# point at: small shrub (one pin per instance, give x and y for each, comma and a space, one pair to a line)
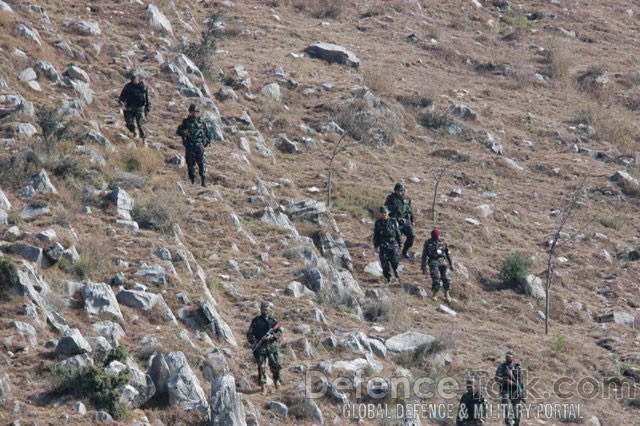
357, 201
68, 167
202, 52
415, 100
515, 268
378, 80
160, 211
433, 119
14, 218
119, 353
559, 342
8, 277
55, 127
591, 82
132, 163
556, 56
39, 204
612, 222
321, 9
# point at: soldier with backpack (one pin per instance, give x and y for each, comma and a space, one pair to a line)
196, 136
135, 100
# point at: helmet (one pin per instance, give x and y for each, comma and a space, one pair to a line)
509, 354
134, 75
384, 209
194, 107
399, 187
469, 382
435, 233
265, 305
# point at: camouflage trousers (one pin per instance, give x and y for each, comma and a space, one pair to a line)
389, 255
439, 276
511, 413
136, 116
195, 155
270, 356
408, 231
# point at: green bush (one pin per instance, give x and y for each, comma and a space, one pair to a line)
433, 119
8, 276
612, 222
515, 268
201, 53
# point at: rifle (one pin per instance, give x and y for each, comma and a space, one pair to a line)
267, 336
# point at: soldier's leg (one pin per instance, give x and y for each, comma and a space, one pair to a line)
384, 262
394, 259
191, 164
274, 364
202, 165
129, 119
260, 358
141, 121
407, 230
504, 407
436, 282
515, 403
444, 276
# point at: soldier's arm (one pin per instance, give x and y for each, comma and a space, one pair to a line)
398, 235
181, 129
412, 218
251, 337
123, 95
147, 104
448, 256
376, 236
423, 262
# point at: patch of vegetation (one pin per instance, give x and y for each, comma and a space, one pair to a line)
159, 211
415, 100
55, 127
514, 268
8, 277
94, 385
201, 53
610, 126
357, 201
39, 204
131, 162
556, 56
591, 81
613, 222
14, 218
68, 167
367, 121
321, 9
433, 119
559, 342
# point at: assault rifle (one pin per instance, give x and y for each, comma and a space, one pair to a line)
267, 336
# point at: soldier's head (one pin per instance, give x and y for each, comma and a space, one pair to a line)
399, 189
470, 384
509, 357
265, 308
135, 78
435, 233
194, 109
384, 212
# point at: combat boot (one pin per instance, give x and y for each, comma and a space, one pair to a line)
193, 180
277, 383
447, 296
405, 254
263, 389
203, 180
434, 296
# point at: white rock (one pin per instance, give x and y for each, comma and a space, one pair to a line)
29, 34
271, 91
373, 268
77, 73
5, 7
158, 20
472, 221
484, 210
27, 74
34, 85
88, 28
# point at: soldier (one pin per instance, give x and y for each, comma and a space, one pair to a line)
508, 376
265, 339
435, 251
135, 99
195, 137
473, 407
386, 239
400, 209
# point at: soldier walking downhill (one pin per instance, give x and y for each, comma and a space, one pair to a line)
195, 137
264, 336
400, 209
472, 408
386, 239
435, 252
135, 99
509, 377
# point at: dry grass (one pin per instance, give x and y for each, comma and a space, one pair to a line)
556, 56
610, 124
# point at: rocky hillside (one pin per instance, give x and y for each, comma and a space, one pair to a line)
126, 292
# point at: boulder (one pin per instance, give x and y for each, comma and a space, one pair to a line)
123, 201
40, 182
279, 219
158, 21
373, 268
357, 342
623, 177
4, 201
226, 404
29, 252
72, 343
182, 386
29, 33
47, 235
297, 289
332, 53
4, 7
279, 407
335, 250
28, 74
45, 68
534, 286
409, 341
99, 300
111, 331
77, 73
152, 273
31, 212
285, 145
307, 210
464, 112
218, 326
271, 91
89, 28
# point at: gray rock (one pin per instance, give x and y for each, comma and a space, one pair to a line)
318, 316
111, 331
164, 254
103, 417
77, 73
271, 91
81, 88
124, 202
285, 145
183, 387
447, 310
4, 201
4, 217
415, 290
624, 318
26, 330
100, 347
297, 289
534, 286
152, 273
279, 407
158, 20
141, 382
5, 8
29, 34
176, 160
623, 177
89, 28
98, 137
40, 182
71, 255
28, 74
463, 111
594, 421
139, 299
357, 342
72, 343
99, 300
27, 130
76, 362
511, 164
335, 250
279, 219
378, 348
409, 341
29, 252
31, 212
307, 210
45, 68
12, 234
226, 405
47, 235
219, 327
373, 268
332, 53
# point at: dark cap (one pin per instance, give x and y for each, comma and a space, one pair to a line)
510, 354
265, 305
399, 187
384, 209
194, 107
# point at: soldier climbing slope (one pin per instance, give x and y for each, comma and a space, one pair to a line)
400, 209
386, 239
434, 252
196, 136
264, 334
135, 100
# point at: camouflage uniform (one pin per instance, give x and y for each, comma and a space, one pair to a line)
269, 351
435, 252
400, 209
195, 137
135, 98
510, 393
472, 408
386, 237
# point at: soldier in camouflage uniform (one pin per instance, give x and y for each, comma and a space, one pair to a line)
269, 350
400, 209
509, 377
386, 239
135, 100
195, 137
472, 408
435, 252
